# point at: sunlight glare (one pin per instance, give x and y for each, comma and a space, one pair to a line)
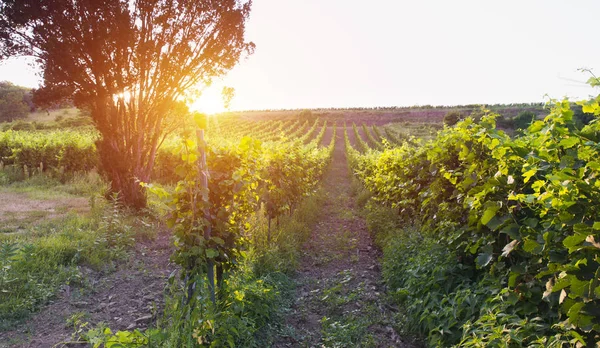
210, 102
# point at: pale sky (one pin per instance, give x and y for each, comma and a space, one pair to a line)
345, 53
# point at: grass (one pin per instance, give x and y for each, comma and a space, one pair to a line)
36, 264
26, 203
55, 119
52, 187
348, 316
43, 116
425, 131
42, 250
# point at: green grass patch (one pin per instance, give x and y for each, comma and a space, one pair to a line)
36, 263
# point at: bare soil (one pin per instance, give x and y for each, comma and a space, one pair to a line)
327, 136
351, 137
339, 279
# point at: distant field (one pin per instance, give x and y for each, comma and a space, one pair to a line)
51, 115
385, 116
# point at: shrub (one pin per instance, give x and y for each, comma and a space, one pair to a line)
452, 118
523, 119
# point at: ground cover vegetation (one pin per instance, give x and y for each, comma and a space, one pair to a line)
259, 203
488, 239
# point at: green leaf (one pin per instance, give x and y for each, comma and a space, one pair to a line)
531, 222
531, 246
512, 231
181, 171
594, 165
211, 253
565, 216
578, 317
568, 143
489, 214
496, 222
582, 229
484, 259
574, 242
587, 108
580, 288
218, 240
528, 174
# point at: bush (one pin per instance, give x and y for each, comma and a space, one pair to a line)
452, 118
523, 119
12, 102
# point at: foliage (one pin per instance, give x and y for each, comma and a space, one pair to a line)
372, 141
81, 122
215, 225
452, 117
66, 151
524, 119
521, 212
307, 114
13, 103
227, 93
253, 297
581, 118
129, 63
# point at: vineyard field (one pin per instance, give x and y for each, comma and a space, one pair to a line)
316, 231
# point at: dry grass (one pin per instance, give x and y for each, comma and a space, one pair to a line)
48, 116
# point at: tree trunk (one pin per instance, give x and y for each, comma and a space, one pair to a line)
124, 175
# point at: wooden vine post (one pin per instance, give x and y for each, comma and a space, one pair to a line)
204, 176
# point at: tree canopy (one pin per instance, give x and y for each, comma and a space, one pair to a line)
14, 101
131, 62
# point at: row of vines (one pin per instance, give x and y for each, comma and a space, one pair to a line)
226, 199
499, 236
69, 151
224, 190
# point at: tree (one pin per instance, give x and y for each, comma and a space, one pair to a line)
452, 118
524, 119
13, 103
130, 62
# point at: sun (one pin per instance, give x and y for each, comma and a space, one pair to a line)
210, 102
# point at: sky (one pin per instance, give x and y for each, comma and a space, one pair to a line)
350, 53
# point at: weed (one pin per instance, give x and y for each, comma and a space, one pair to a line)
35, 264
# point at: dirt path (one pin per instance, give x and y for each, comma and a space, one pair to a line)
351, 137
327, 136
339, 300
